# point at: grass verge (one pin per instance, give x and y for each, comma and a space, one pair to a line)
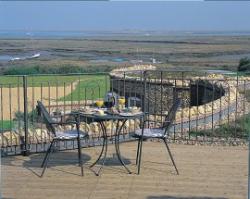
238, 129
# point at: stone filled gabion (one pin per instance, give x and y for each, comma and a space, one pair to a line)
158, 94
158, 98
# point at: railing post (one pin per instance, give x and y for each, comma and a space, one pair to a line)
25, 149
248, 190
124, 84
144, 90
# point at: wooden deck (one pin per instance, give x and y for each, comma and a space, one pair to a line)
206, 172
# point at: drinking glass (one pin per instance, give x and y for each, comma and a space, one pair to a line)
122, 101
99, 103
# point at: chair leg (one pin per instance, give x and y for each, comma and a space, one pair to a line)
47, 158
170, 154
137, 153
140, 153
80, 155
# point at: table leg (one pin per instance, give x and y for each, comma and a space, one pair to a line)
104, 149
117, 146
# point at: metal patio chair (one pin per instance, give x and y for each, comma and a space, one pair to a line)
158, 133
59, 135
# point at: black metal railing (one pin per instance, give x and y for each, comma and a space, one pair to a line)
215, 107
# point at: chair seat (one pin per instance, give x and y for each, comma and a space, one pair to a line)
69, 134
150, 133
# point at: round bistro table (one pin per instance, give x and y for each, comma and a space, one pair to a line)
121, 119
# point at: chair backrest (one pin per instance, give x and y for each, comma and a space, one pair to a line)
42, 111
169, 119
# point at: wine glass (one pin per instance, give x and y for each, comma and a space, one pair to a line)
122, 101
99, 103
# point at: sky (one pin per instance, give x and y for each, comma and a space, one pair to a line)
117, 16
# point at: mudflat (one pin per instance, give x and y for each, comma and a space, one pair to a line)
167, 51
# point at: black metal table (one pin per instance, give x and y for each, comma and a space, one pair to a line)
109, 117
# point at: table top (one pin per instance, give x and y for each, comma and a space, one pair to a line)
108, 116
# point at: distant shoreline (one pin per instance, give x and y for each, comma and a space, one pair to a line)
22, 34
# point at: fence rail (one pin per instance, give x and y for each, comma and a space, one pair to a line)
215, 107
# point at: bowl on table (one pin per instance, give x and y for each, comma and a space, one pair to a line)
130, 111
134, 109
87, 110
100, 112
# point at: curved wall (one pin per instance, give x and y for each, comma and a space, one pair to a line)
160, 93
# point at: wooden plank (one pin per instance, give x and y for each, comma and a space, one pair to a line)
205, 171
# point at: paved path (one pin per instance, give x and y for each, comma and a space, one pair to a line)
209, 118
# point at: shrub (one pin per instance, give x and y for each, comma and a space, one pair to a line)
32, 116
244, 64
63, 69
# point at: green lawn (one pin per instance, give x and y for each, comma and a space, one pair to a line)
52, 80
6, 125
91, 87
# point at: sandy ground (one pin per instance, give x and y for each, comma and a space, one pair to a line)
205, 173
11, 99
